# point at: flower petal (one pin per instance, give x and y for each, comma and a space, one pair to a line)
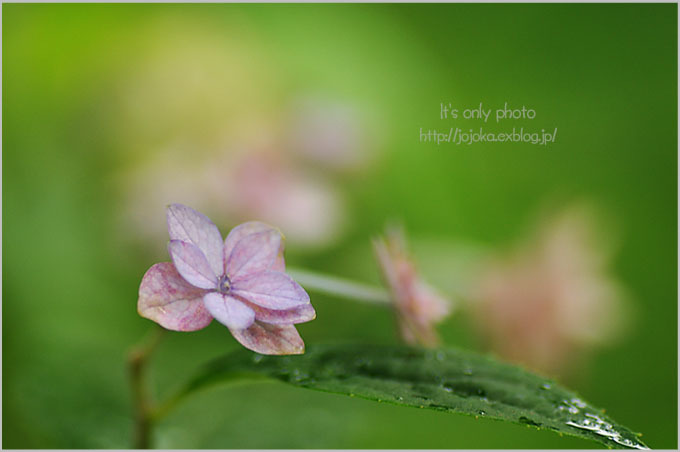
188, 225
270, 339
228, 310
252, 254
167, 299
192, 264
270, 289
299, 314
248, 228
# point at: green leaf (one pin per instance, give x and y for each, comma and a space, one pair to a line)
446, 380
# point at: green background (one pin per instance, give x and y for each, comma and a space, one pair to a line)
604, 75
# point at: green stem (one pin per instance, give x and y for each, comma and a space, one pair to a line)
138, 358
332, 285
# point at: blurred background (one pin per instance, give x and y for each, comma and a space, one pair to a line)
562, 258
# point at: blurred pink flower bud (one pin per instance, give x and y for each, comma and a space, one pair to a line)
418, 306
552, 298
240, 282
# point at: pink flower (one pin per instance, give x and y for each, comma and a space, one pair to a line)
418, 305
546, 304
240, 282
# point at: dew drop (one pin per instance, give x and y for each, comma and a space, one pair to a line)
599, 426
578, 402
568, 406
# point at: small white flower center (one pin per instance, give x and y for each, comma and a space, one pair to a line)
224, 285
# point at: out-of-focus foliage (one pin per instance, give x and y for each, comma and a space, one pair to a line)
112, 111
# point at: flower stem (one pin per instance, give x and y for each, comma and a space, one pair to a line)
340, 287
138, 358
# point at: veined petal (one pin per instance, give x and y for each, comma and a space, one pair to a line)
192, 264
270, 289
229, 311
167, 299
299, 314
270, 339
249, 228
188, 225
252, 254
